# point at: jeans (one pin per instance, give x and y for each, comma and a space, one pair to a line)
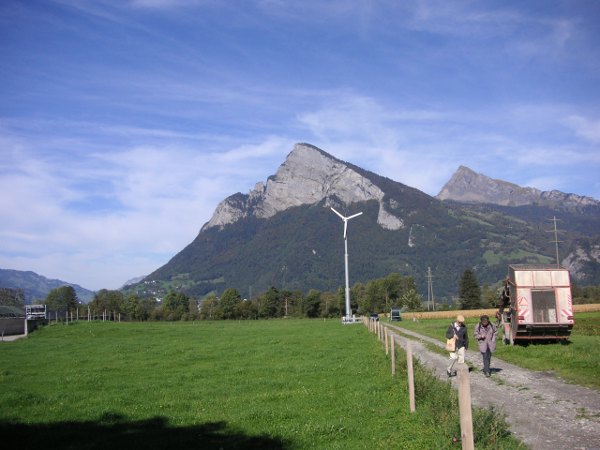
487, 358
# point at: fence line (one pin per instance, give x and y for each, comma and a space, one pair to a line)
464, 382
75, 315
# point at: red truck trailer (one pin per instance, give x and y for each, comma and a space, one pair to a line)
536, 304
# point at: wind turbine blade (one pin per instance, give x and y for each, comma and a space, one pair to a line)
355, 215
345, 227
343, 218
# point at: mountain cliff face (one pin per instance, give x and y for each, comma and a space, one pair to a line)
467, 186
283, 233
307, 176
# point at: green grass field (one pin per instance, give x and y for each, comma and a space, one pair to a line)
577, 362
258, 384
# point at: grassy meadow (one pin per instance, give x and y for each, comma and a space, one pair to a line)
277, 384
576, 362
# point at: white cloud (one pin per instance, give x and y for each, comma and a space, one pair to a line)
120, 213
588, 129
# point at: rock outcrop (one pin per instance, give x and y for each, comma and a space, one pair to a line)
308, 176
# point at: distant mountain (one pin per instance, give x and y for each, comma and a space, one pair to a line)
37, 287
283, 234
468, 186
133, 281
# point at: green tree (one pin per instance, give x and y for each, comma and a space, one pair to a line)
109, 301
246, 310
489, 297
392, 290
145, 309
469, 291
358, 294
137, 308
209, 309
294, 301
312, 303
375, 297
62, 298
193, 310
330, 305
412, 300
175, 305
269, 304
131, 305
230, 299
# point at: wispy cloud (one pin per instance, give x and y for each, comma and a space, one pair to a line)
586, 128
124, 124
422, 148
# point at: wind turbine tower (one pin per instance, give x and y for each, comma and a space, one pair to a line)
348, 318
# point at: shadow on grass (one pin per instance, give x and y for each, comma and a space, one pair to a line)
115, 432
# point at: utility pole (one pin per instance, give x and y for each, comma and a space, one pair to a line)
556, 241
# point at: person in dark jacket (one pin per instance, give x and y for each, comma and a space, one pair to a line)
458, 331
486, 333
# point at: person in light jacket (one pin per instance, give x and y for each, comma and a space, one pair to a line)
485, 333
458, 330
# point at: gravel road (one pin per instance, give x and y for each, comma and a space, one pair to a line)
543, 411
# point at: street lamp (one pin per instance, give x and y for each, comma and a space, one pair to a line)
346, 219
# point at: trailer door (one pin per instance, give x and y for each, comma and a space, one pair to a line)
544, 306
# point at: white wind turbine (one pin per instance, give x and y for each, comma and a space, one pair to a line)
346, 219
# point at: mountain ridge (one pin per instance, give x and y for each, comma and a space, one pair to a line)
37, 287
283, 234
468, 186
315, 176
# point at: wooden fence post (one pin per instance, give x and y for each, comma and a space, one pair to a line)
393, 356
411, 377
387, 352
464, 407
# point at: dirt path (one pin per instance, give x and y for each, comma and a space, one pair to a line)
543, 411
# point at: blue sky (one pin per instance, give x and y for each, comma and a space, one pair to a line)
124, 123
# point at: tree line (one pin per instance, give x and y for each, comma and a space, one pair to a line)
376, 296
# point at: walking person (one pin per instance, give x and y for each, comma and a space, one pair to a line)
485, 333
458, 331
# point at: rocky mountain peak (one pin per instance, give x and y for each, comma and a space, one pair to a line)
307, 176
468, 186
